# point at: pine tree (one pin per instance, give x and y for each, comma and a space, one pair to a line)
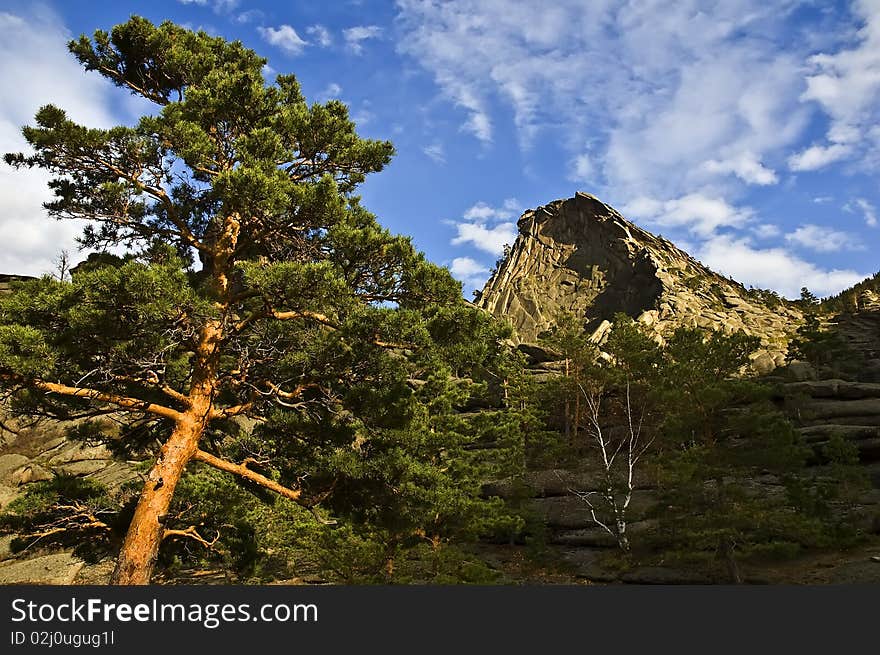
255, 289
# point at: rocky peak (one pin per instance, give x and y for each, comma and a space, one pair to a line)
582, 256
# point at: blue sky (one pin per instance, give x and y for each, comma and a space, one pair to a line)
745, 131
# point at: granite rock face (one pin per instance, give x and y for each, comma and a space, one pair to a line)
579, 255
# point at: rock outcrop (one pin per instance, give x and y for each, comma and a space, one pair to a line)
580, 255
33, 451
5, 280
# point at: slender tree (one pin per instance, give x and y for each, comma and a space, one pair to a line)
254, 285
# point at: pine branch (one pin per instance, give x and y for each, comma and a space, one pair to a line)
123, 402
243, 471
191, 533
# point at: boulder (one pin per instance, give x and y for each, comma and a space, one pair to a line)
31, 472
9, 464
54, 569
537, 354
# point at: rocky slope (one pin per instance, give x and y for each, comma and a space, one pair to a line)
580, 255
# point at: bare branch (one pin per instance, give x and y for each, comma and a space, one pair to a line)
229, 412
191, 533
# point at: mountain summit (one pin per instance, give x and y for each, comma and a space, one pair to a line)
580, 255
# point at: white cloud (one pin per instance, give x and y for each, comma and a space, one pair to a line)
332, 90
475, 227
582, 170
363, 115
820, 200
321, 35
657, 88
469, 271
683, 104
746, 167
284, 37
697, 212
846, 84
481, 211
868, 211
823, 239
249, 16
766, 231
491, 240
478, 123
463, 267
818, 156
436, 152
642, 207
355, 36
772, 268
31, 241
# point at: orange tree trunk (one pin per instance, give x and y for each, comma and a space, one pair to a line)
145, 533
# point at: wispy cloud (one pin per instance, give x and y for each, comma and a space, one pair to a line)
332, 90
482, 211
582, 170
818, 156
321, 35
219, 6
685, 106
766, 231
868, 211
846, 85
746, 167
488, 239
355, 36
663, 87
249, 16
436, 152
823, 239
284, 37
698, 213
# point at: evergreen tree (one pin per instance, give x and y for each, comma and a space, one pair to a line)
302, 317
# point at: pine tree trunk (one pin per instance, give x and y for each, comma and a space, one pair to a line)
137, 559
140, 549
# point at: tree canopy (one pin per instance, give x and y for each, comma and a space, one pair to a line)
258, 319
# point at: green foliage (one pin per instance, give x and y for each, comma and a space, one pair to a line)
353, 361
729, 468
767, 297
823, 348
808, 298
848, 299
695, 382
